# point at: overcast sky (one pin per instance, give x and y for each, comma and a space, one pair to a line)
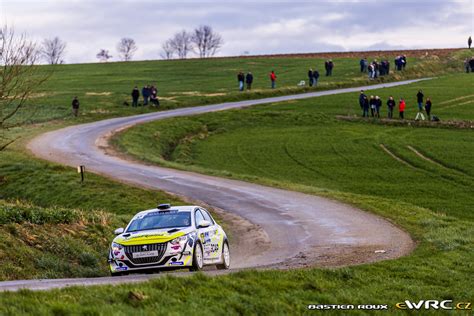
259, 27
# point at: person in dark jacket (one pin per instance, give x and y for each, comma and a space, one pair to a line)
404, 61
372, 104
365, 106
471, 63
154, 97
326, 66
241, 79
315, 77
378, 105
391, 106
310, 77
75, 107
419, 99
135, 96
146, 94
249, 80
362, 98
428, 108
363, 65
469, 42
330, 67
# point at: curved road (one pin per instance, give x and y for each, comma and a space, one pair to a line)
301, 229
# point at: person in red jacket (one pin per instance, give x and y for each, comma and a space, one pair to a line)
273, 78
401, 108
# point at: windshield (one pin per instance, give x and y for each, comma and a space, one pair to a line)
161, 220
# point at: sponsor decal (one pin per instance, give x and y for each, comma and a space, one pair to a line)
121, 268
177, 263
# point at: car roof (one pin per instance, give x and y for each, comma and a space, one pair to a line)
184, 208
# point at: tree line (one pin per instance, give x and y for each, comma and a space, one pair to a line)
203, 41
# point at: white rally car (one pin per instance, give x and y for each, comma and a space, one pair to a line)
169, 237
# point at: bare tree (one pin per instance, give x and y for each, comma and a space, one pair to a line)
19, 76
103, 55
126, 48
206, 41
181, 43
167, 50
53, 50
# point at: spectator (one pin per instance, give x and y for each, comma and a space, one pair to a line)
390, 105
330, 68
371, 71
362, 97
135, 96
363, 65
154, 97
146, 94
428, 108
469, 42
241, 79
315, 77
326, 66
471, 64
372, 104
419, 99
378, 105
249, 80
466, 65
404, 61
365, 107
401, 108
75, 107
310, 77
273, 78
376, 69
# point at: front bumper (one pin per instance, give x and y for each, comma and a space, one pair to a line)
169, 256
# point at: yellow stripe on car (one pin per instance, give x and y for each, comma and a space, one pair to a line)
146, 239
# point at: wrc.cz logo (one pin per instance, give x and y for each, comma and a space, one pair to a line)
434, 304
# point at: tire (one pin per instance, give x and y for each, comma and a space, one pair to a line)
198, 258
225, 257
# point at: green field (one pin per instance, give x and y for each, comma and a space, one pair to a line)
299, 145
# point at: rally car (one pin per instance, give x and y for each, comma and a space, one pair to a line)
169, 237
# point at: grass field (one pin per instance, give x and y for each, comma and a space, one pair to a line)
299, 145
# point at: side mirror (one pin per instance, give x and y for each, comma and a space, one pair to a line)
119, 231
204, 224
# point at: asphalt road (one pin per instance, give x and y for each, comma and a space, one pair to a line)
302, 229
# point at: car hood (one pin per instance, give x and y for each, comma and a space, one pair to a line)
151, 236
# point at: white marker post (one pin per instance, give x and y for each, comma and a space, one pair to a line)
81, 170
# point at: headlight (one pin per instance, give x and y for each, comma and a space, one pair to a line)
116, 247
179, 240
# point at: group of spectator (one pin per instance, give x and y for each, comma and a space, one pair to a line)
469, 64
374, 104
248, 79
401, 62
328, 65
375, 68
149, 94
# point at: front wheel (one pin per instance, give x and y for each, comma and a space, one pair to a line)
225, 257
197, 258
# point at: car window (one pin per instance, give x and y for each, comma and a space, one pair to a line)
207, 217
199, 218
160, 220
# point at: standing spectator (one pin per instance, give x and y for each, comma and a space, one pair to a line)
469, 42
401, 108
428, 108
365, 106
372, 104
471, 64
326, 66
376, 68
249, 80
363, 65
371, 71
466, 65
362, 98
378, 105
310, 77
404, 61
398, 63
330, 67
75, 106
135, 96
154, 97
387, 67
315, 77
419, 99
273, 78
146, 94
390, 105
241, 79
